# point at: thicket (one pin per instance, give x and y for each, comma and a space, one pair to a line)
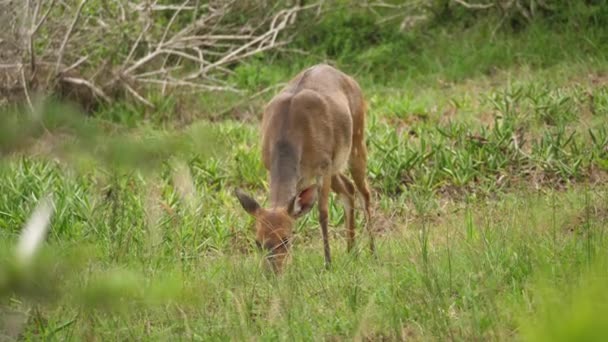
94, 52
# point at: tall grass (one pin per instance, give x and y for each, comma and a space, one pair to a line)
477, 273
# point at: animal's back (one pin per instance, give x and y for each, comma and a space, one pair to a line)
329, 82
315, 112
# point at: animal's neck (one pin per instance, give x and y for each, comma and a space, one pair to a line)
284, 172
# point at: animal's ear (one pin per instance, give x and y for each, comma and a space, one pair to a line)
302, 202
248, 203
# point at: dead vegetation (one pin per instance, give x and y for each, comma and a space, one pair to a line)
92, 52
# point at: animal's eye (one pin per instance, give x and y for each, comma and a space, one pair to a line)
285, 241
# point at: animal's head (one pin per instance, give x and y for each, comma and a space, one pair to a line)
274, 227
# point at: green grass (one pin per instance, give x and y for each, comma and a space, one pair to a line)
490, 204
467, 248
476, 271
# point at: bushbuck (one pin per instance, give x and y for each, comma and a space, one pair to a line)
311, 131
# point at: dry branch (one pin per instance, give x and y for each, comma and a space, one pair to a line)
79, 81
68, 34
44, 17
138, 96
474, 6
25, 89
195, 48
235, 47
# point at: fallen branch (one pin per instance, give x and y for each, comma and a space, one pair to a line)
79, 81
473, 6
11, 66
182, 83
137, 96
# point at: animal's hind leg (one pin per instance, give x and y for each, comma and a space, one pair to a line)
345, 189
358, 168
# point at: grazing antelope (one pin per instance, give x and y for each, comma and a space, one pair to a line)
311, 131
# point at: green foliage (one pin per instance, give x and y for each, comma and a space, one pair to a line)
457, 43
559, 14
531, 133
256, 75
345, 34
574, 14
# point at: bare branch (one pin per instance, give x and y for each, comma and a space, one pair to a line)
68, 34
163, 7
44, 16
157, 72
80, 81
11, 66
136, 44
34, 16
137, 96
30, 36
143, 61
76, 64
524, 12
231, 56
185, 55
473, 6
25, 90
181, 83
162, 40
195, 55
212, 37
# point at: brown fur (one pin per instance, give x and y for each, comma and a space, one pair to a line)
311, 131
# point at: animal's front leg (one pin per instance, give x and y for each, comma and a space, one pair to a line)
323, 217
